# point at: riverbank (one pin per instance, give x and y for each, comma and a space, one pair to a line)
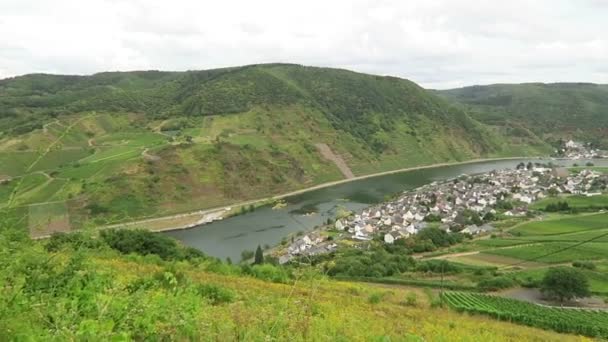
189, 219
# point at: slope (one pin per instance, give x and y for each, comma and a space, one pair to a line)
140, 144
77, 288
553, 111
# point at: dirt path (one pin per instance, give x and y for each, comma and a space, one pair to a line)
328, 154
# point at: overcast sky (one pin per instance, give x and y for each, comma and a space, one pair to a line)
437, 43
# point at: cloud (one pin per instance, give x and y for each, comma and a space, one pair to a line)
437, 43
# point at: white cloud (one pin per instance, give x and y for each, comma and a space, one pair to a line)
437, 43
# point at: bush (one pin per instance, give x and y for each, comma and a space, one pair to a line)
584, 264
559, 206
565, 283
269, 272
438, 266
144, 242
375, 297
496, 283
75, 240
215, 294
410, 299
246, 255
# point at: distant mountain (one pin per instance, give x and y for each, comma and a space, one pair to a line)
551, 111
120, 145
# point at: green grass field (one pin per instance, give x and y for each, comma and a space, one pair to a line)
578, 202
555, 252
565, 225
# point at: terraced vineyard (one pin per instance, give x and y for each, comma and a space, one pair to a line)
577, 321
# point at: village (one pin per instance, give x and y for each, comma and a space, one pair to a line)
467, 204
579, 150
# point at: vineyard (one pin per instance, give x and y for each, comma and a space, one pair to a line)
577, 321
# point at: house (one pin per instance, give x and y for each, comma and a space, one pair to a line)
560, 172
389, 238
472, 229
284, 259
361, 236
339, 225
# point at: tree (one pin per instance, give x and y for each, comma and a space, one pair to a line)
564, 283
259, 256
246, 255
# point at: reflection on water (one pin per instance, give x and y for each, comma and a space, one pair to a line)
228, 238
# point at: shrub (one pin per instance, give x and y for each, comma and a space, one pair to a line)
270, 272
438, 266
584, 264
144, 242
375, 297
496, 283
410, 299
215, 294
565, 283
75, 240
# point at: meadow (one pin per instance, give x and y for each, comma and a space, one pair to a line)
579, 202
571, 224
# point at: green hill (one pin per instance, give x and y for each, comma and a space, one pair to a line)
118, 146
144, 287
550, 111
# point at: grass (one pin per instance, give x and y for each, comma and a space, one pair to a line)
579, 202
557, 250
15, 163
148, 298
565, 225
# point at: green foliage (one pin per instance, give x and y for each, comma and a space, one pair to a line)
259, 256
559, 206
215, 294
438, 266
246, 255
584, 264
56, 298
438, 237
584, 322
411, 299
269, 272
376, 297
496, 283
540, 108
76, 240
375, 263
144, 242
565, 283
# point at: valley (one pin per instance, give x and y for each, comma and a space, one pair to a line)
172, 143
257, 178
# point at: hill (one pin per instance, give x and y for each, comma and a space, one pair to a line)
116, 146
83, 288
549, 111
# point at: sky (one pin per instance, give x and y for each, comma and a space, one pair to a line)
436, 43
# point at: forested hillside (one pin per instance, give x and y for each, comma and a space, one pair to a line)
116, 146
551, 111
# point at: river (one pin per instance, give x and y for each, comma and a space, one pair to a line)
267, 226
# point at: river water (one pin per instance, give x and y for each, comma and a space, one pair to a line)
267, 226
